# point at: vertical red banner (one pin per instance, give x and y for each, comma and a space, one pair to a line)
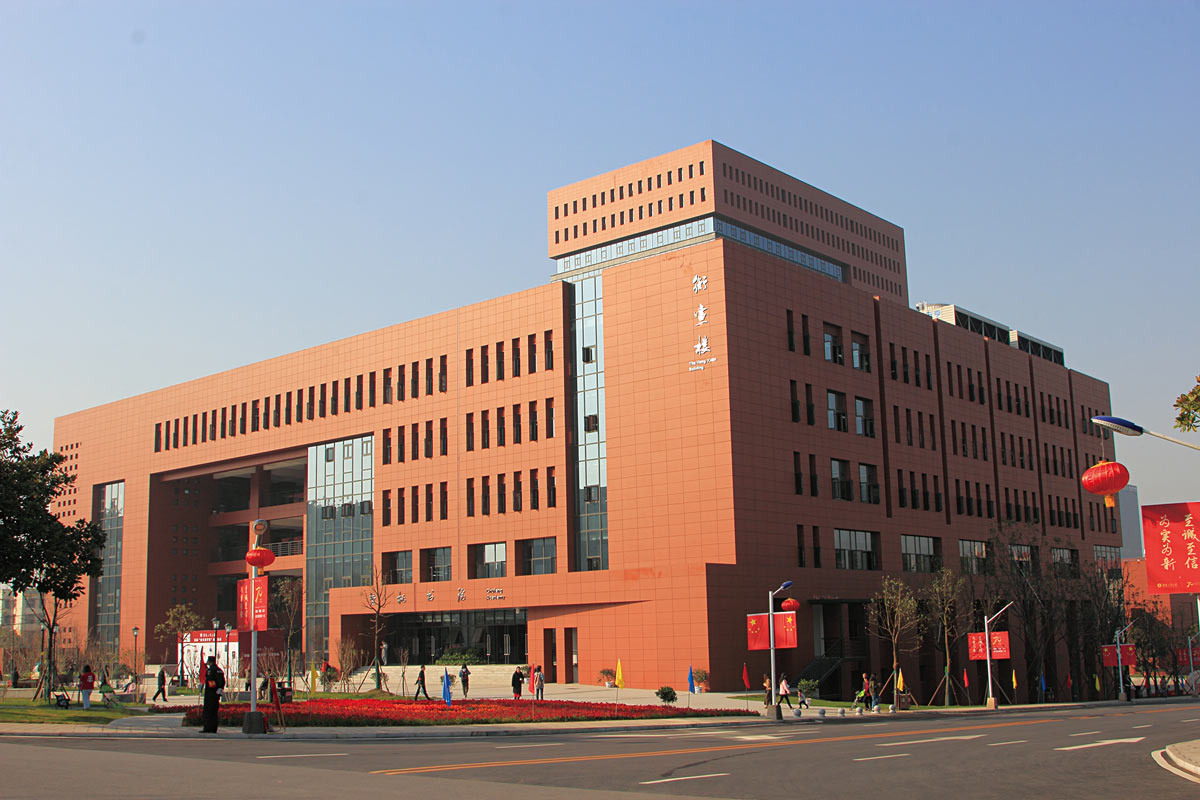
243, 604
1172, 549
252, 604
259, 590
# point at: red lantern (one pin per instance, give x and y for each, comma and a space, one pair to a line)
790, 604
260, 557
1106, 478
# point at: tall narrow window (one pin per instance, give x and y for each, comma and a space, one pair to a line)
444, 501
442, 375
533, 421
401, 382
484, 363
516, 357
415, 380
400, 449
485, 431
548, 347
386, 456
499, 361
470, 432
517, 423
551, 488
532, 353
444, 435
470, 497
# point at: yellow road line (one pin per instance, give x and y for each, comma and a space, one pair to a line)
691, 750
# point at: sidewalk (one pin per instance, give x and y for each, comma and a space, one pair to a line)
1185, 755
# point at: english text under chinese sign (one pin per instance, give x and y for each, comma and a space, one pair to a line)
1172, 549
977, 647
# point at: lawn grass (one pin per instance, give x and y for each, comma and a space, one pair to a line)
28, 711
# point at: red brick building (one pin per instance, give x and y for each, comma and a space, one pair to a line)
722, 388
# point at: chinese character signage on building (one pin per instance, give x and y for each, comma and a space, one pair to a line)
1172, 551
252, 606
977, 649
701, 346
758, 638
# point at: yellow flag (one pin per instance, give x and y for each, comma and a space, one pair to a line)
1014, 679
620, 681
1097, 677
900, 680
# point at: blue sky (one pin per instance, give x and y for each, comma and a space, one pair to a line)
170, 171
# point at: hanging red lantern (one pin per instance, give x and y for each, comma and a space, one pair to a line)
790, 604
1106, 478
260, 557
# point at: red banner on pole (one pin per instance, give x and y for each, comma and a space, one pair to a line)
252, 604
1128, 655
1181, 655
758, 638
977, 648
1172, 549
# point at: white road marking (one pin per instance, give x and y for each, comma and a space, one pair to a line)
927, 741
1157, 755
1102, 743
756, 738
1140, 726
685, 778
876, 758
1085, 733
1001, 744
711, 732
1192, 720
306, 755
516, 746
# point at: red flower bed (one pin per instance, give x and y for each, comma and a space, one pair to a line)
358, 712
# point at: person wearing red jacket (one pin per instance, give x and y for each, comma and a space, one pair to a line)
87, 682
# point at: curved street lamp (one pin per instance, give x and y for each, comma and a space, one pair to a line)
137, 675
771, 634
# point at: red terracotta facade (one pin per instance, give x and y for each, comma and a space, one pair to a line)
720, 440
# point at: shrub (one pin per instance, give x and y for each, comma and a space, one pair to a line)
458, 655
809, 687
608, 674
667, 694
700, 675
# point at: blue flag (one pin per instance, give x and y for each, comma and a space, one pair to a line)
1043, 682
691, 680
446, 686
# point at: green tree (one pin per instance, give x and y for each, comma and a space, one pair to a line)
180, 618
37, 551
1188, 406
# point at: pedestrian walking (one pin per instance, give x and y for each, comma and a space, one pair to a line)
874, 688
383, 653
464, 678
518, 678
539, 683
864, 693
785, 691
801, 697
767, 688
162, 685
87, 682
421, 685
214, 687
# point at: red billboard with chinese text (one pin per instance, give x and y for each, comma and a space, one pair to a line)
252, 606
1172, 549
976, 647
757, 637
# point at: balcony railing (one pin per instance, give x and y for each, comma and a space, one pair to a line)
286, 547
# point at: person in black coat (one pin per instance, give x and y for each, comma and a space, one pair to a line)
214, 685
421, 685
518, 678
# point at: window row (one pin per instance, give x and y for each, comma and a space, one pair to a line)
488, 560
502, 415
1090, 428
918, 498
1061, 512
900, 370
493, 361
1101, 518
317, 402
618, 218
417, 444
518, 493
620, 192
1013, 455
920, 439
968, 390
776, 192
978, 441
408, 505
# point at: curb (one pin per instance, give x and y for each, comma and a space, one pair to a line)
1171, 752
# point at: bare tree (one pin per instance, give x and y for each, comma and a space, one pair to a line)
897, 619
180, 618
945, 612
376, 599
286, 605
350, 658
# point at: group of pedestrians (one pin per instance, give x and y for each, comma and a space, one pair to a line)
785, 692
868, 695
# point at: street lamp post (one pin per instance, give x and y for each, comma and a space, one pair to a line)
228, 665
987, 645
1129, 428
216, 635
137, 675
1120, 669
771, 634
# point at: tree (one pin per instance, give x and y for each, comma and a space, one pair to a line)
1188, 406
944, 610
180, 618
375, 599
36, 549
897, 619
287, 607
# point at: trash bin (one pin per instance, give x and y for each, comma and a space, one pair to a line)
285, 694
905, 701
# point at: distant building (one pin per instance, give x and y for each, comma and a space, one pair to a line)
721, 388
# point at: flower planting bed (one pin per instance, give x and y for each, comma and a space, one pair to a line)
360, 712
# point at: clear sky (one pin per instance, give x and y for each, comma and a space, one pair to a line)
187, 187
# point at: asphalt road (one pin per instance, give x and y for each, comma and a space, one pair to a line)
1100, 753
